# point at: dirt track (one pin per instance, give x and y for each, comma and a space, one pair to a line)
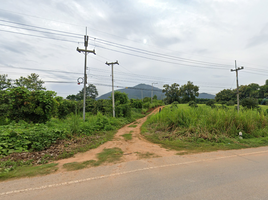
130, 147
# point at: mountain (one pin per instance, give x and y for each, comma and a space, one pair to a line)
137, 92
206, 96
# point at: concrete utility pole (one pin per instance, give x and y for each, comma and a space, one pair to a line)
237, 86
85, 71
152, 92
113, 63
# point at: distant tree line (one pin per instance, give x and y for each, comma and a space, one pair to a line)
180, 94
251, 91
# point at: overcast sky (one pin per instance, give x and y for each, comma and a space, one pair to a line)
154, 41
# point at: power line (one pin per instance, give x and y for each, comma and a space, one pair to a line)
38, 36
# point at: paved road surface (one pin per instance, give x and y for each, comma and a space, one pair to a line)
237, 174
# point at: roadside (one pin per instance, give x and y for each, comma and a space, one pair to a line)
61, 185
133, 149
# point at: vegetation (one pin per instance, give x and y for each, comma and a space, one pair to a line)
24, 170
204, 128
91, 92
183, 94
127, 136
251, 91
36, 126
106, 156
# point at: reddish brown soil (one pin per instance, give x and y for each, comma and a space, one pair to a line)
132, 148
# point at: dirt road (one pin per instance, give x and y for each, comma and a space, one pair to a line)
132, 148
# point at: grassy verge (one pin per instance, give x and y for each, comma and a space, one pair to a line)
146, 155
191, 130
132, 126
28, 171
127, 136
106, 156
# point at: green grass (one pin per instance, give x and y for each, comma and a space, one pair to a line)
78, 165
29, 171
109, 155
132, 126
146, 155
191, 130
127, 136
106, 156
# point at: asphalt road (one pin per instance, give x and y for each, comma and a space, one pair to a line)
236, 174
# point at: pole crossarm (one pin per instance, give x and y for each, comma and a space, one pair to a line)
84, 50
112, 63
85, 71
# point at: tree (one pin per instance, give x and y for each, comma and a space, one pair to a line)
189, 92
225, 95
172, 93
250, 103
263, 93
4, 82
251, 90
31, 82
91, 92
71, 97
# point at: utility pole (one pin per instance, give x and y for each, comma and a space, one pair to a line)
113, 63
85, 71
152, 92
237, 86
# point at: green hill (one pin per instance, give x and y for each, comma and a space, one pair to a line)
137, 91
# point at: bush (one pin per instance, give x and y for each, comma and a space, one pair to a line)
30, 106
210, 102
230, 103
250, 103
193, 104
65, 107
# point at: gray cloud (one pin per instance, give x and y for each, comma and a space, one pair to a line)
11, 17
259, 39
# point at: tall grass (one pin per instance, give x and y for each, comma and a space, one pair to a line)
207, 123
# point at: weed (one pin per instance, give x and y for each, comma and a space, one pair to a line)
76, 166
127, 136
146, 155
132, 126
109, 155
206, 129
28, 171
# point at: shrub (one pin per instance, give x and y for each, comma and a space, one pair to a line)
193, 104
31, 106
250, 103
210, 102
230, 103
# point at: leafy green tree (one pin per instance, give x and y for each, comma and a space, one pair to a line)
122, 104
250, 103
71, 97
91, 92
251, 90
189, 92
31, 106
172, 93
31, 82
120, 97
263, 92
225, 95
4, 82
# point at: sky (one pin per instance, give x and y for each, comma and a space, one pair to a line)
154, 41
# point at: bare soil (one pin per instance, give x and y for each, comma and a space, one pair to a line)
132, 148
